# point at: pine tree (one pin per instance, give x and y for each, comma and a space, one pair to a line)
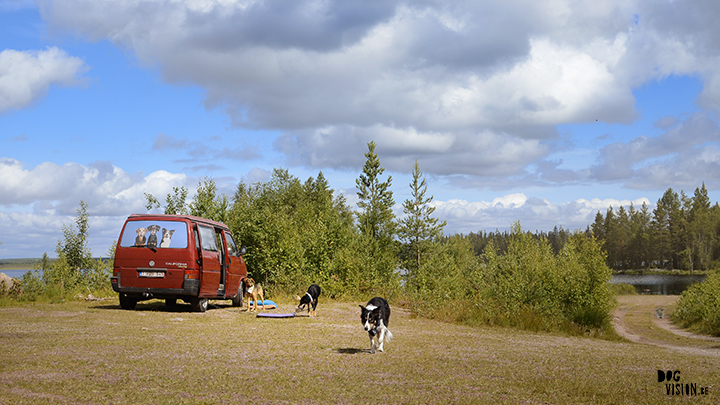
376, 245
662, 223
418, 228
701, 229
376, 218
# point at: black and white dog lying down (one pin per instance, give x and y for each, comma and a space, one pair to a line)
375, 317
310, 299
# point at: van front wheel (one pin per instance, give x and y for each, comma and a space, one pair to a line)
199, 304
126, 302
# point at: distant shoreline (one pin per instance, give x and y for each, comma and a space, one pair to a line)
20, 264
27, 263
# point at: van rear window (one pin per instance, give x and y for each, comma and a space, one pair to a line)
155, 234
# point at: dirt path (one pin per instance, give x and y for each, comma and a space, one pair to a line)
645, 319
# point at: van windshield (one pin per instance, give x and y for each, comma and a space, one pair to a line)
155, 234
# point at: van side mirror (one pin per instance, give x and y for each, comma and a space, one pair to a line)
243, 250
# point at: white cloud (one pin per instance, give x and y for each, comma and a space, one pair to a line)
26, 76
653, 162
473, 90
37, 201
107, 189
532, 213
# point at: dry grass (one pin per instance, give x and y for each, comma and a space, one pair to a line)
80, 352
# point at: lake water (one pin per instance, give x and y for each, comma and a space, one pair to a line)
15, 273
658, 284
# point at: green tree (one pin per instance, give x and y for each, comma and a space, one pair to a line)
375, 217
377, 225
611, 243
151, 202
701, 230
295, 232
666, 228
640, 248
175, 202
73, 247
74, 257
419, 229
207, 204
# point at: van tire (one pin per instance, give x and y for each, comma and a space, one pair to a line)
126, 302
237, 300
199, 304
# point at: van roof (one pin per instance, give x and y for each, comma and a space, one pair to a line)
191, 218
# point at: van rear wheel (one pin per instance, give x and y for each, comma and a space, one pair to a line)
126, 302
199, 304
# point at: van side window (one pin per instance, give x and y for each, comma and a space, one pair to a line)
232, 247
207, 239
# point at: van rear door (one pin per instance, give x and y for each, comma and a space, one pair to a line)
152, 255
211, 262
236, 269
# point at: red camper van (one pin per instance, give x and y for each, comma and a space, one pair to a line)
175, 257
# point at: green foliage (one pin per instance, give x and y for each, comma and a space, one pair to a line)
73, 272
206, 203
528, 286
294, 232
375, 217
418, 229
451, 272
680, 233
699, 306
174, 202
377, 248
72, 248
623, 289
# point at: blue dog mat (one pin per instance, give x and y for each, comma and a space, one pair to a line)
268, 304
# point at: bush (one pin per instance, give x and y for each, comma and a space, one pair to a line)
623, 289
528, 287
699, 306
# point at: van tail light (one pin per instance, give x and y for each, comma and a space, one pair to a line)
192, 274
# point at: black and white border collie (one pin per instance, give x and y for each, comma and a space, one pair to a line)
310, 299
375, 317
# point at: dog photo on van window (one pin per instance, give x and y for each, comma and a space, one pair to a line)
153, 234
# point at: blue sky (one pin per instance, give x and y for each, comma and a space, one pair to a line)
543, 116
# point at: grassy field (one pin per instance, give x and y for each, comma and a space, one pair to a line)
96, 353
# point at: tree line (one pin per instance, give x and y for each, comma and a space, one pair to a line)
299, 232
681, 232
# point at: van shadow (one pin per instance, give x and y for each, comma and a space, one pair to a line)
162, 307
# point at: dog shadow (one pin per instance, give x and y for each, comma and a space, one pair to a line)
351, 350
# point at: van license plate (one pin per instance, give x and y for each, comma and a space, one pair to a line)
154, 274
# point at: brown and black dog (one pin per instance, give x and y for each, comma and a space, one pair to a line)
253, 291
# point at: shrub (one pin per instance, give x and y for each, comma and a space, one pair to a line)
699, 306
